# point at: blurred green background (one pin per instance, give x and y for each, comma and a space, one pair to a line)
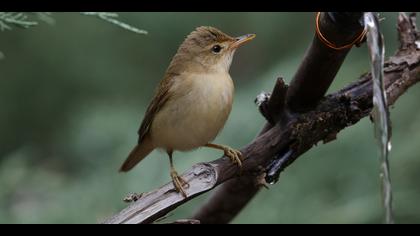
73, 94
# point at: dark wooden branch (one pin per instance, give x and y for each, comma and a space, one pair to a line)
272, 105
321, 63
300, 133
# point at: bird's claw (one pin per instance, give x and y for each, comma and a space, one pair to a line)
234, 155
179, 183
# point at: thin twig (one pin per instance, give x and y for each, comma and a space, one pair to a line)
111, 18
19, 19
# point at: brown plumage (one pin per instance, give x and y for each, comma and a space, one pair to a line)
192, 102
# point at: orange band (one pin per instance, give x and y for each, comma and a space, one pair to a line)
321, 37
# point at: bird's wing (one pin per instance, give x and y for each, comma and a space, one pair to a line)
162, 95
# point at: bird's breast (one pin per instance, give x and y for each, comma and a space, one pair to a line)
197, 110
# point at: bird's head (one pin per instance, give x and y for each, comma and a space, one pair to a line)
208, 48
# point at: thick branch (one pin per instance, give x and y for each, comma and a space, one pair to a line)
300, 133
321, 63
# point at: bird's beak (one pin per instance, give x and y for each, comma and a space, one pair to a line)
242, 40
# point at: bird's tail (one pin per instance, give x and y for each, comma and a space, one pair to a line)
137, 154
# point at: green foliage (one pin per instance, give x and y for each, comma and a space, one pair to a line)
22, 20
18, 19
111, 18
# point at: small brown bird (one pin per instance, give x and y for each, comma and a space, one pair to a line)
192, 102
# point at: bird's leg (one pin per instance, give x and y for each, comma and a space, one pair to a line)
178, 182
234, 155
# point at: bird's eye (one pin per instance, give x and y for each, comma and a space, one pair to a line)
216, 48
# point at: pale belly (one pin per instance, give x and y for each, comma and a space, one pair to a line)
195, 116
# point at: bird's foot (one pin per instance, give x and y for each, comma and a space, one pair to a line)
234, 155
179, 183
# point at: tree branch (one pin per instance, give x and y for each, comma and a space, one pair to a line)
111, 18
299, 132
19, 19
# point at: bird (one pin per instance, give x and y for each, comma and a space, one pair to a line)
192, 102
